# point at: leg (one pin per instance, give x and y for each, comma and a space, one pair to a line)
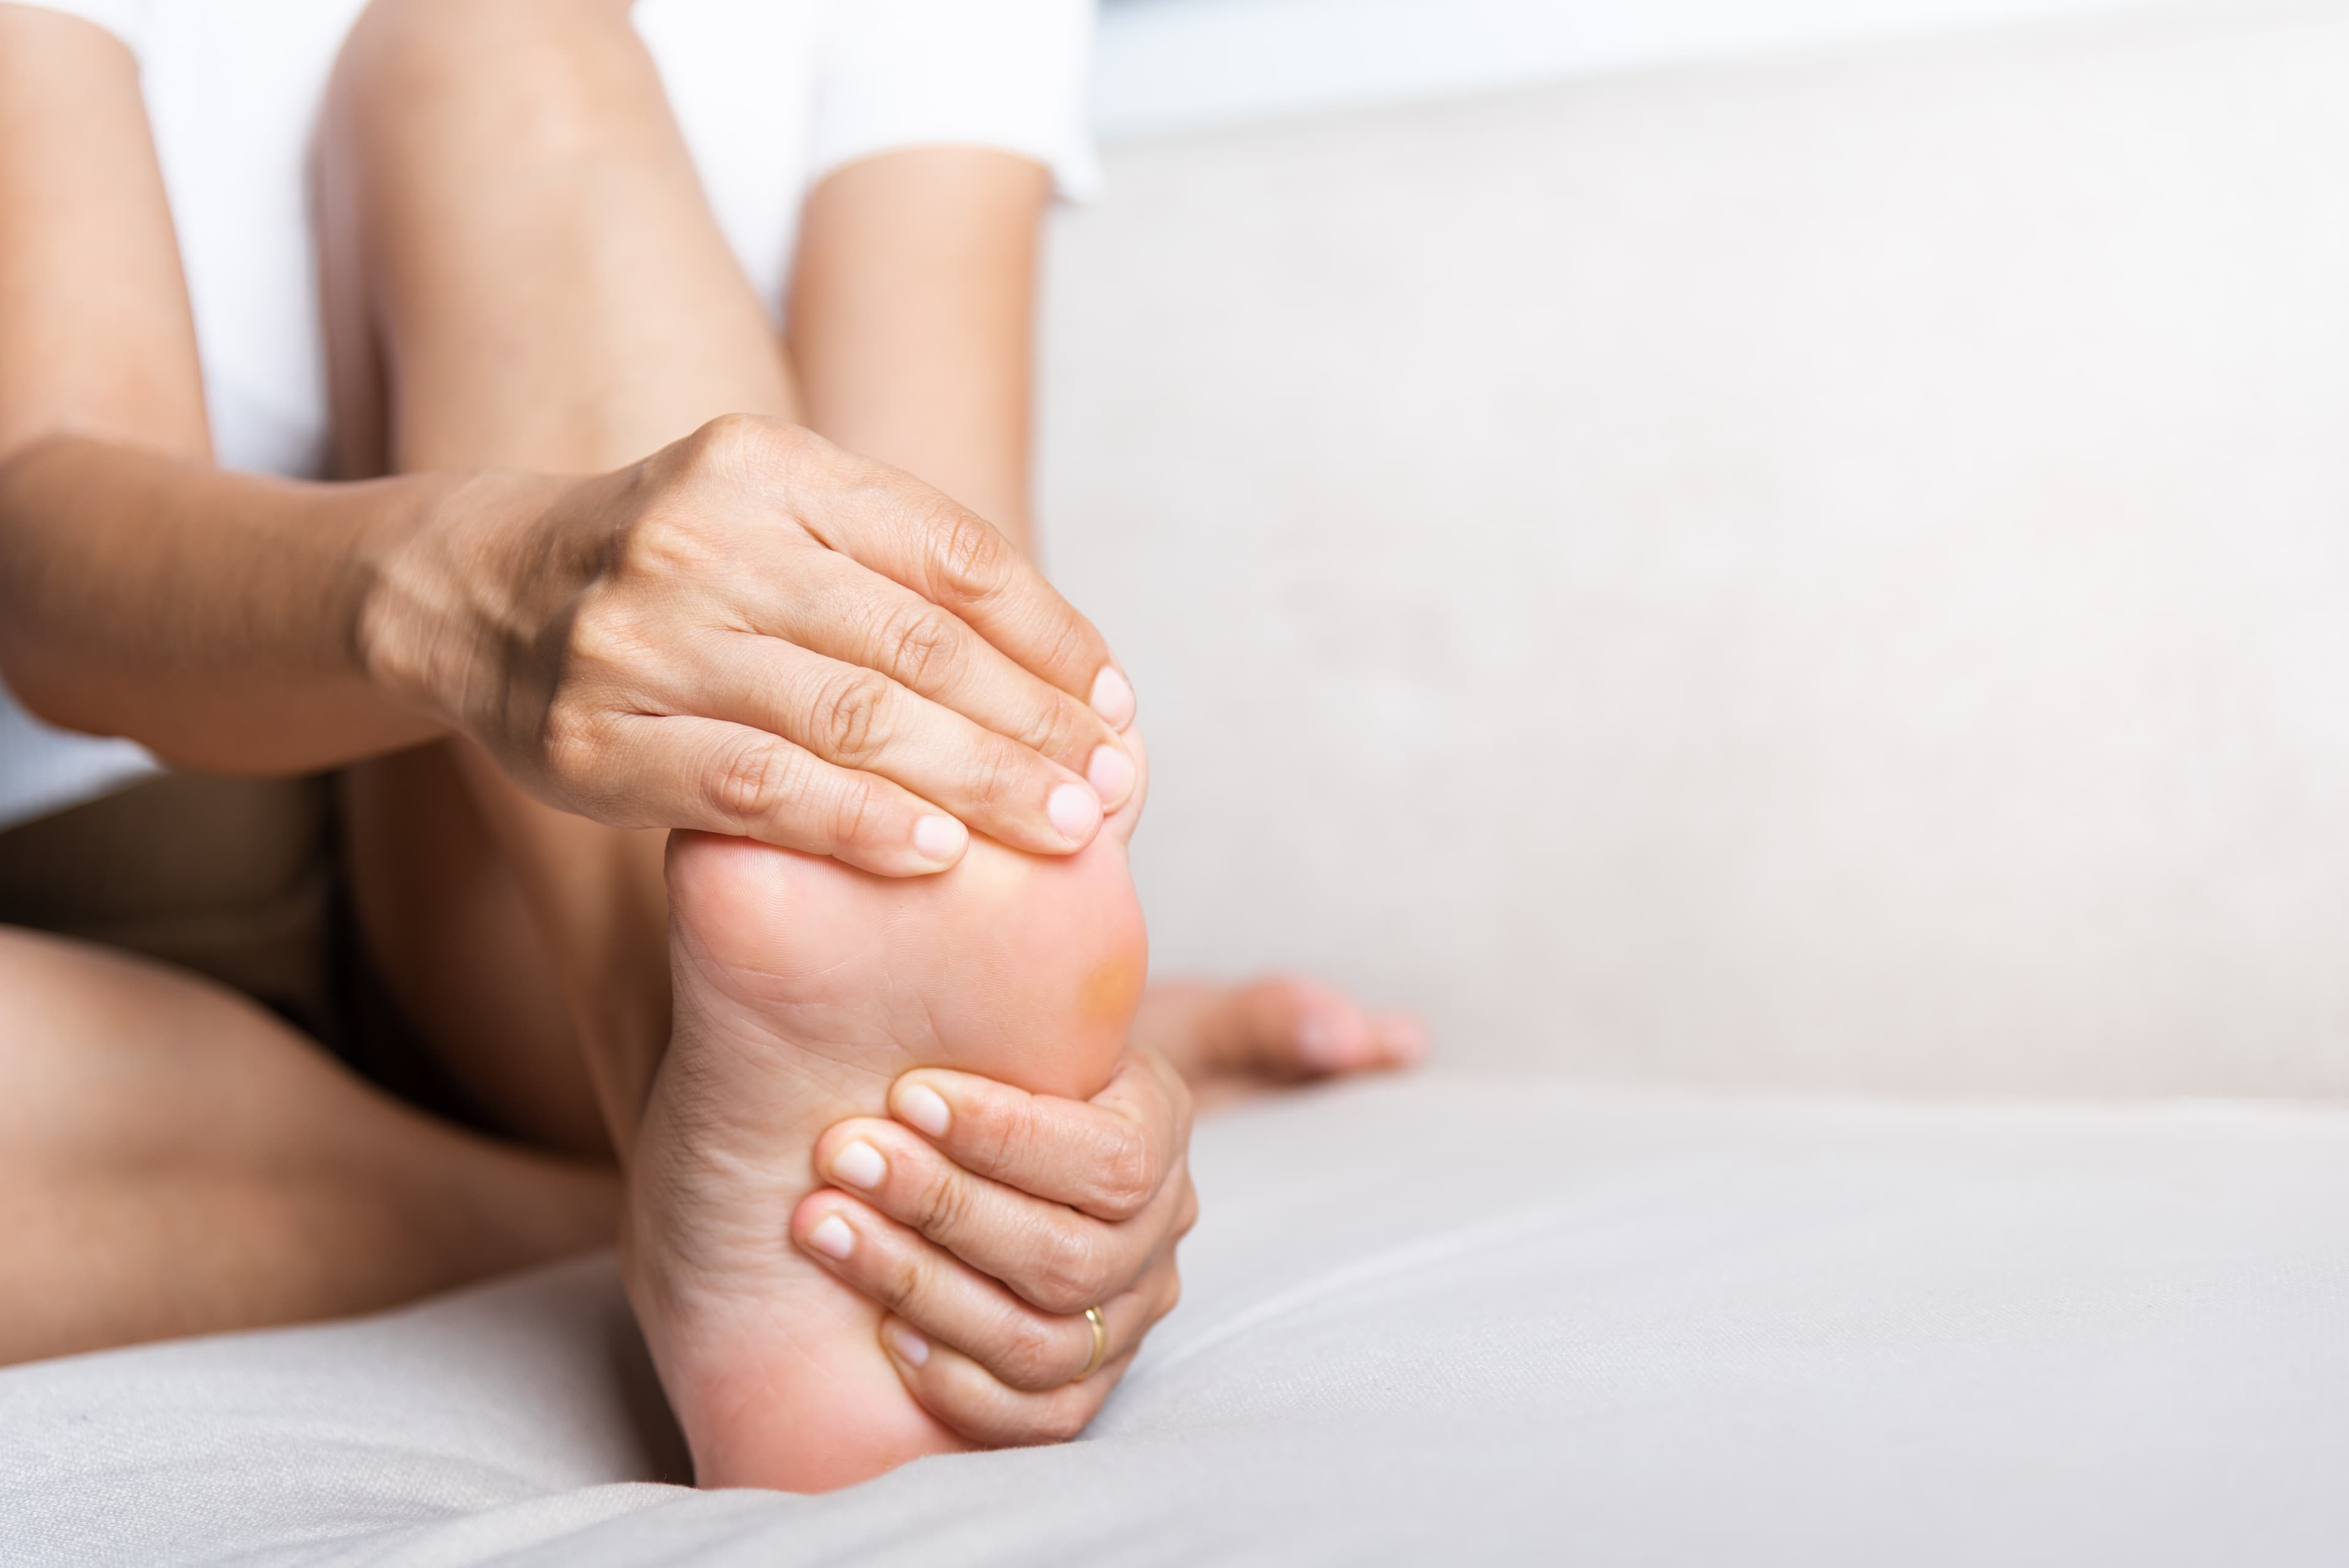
549, 290
173, 1160
446, 924
527, 276
804, 989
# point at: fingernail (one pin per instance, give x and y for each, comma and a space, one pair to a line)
1110, 773
1074, 810
833, 1238
924, 1109
1112, 698
859, 1165
939, 839
909, 1347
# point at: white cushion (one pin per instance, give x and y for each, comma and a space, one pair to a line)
1443, 1321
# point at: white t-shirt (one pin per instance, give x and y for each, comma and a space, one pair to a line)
771, 96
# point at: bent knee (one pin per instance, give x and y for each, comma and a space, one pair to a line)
544, 70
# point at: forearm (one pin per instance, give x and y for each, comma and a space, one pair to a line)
219, 618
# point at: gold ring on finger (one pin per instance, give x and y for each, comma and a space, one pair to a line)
1100, 1343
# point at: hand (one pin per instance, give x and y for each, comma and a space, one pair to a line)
755, 633
987, 1219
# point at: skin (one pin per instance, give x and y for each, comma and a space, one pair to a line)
462, 385
257, 625
175, 1160
579, 630
802, 989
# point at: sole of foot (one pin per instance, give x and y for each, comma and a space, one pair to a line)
803, 988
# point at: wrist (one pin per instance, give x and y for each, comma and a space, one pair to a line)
440, 598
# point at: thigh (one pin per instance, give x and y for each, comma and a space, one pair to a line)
527, 276
174, 1160
534, 260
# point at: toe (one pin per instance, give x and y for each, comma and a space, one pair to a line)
1273, 1029
1304, 1028
1399, 1038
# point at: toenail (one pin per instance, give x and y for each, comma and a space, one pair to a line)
1110, 773
1112, 698
833, 1238
1318, 1042
1074, 810
859, 1165
924, 1109
910, 1347
939, 839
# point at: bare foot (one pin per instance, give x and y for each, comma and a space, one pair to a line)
1229, 1040
802, 989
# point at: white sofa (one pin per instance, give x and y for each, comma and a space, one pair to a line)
1824, 572
1813, 585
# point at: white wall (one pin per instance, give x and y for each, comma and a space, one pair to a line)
1826, 571
1169, 65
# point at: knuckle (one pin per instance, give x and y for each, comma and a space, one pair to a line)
916, 642
995, 773
747, 781
940, 1205
600, 635
848, 717
1070, 1272
1130, 1177
743, 450
898, 1284
966, 556
1004, 1135
1067, 643
1033, 1358
858, 810
570, 738
1058, 727
729, 444
662, 541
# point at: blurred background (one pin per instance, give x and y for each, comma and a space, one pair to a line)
1176, 65
1797, 542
